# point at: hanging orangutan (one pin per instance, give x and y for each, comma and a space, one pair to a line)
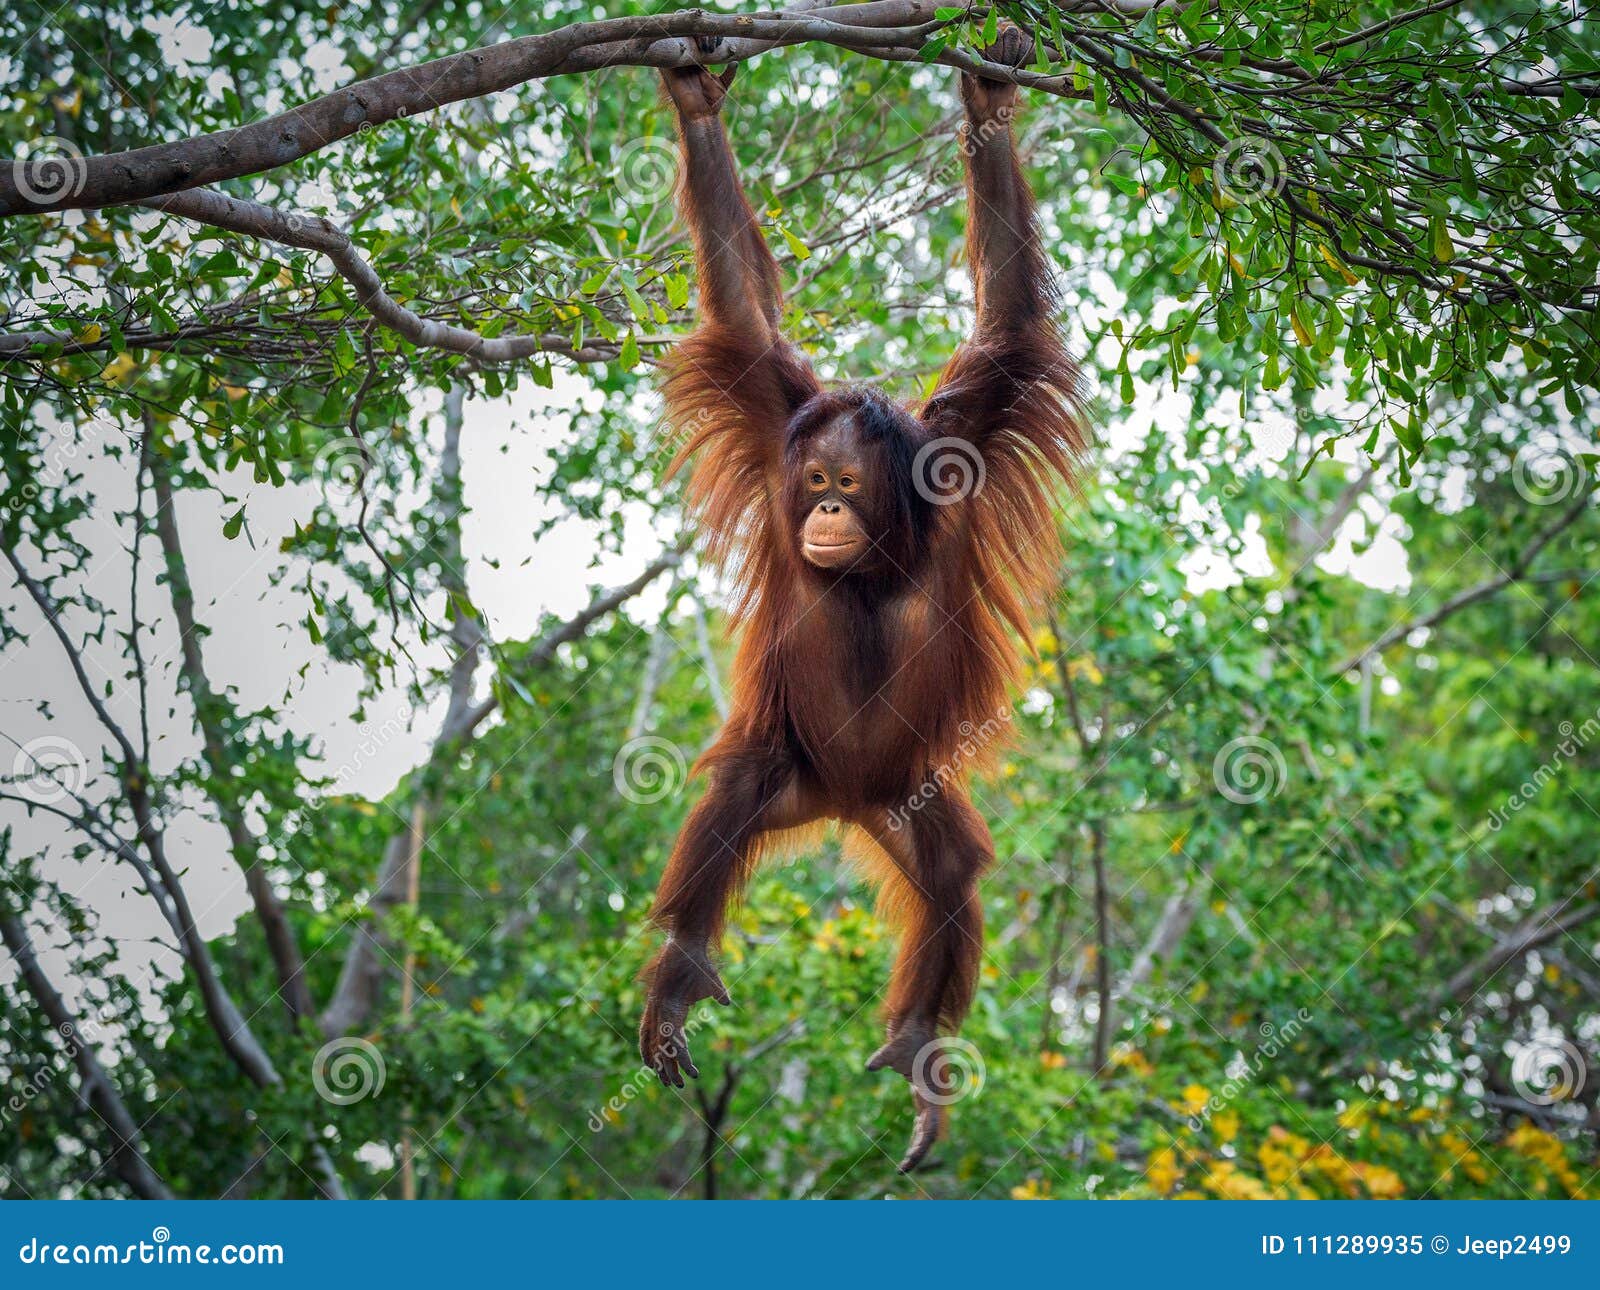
883, 557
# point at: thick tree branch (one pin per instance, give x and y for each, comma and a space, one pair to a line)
651, 40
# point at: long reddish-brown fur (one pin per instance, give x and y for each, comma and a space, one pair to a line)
864, 693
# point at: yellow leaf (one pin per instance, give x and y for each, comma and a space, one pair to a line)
1337, 265
119, 368
1444, 250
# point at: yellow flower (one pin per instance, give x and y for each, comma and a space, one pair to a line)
1162, 1170
1225, 1180
1225, 1124
1462, 1153
1546, 1148
1128, 1056
1382, 1182
1052, 1061
1282, 1155
1195, 1097
1353, 1117
1033, 1189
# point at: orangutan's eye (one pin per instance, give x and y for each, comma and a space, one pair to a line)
818, 479
847, 482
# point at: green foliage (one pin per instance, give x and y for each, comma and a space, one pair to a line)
1357, 331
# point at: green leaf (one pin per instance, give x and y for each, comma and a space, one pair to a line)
797, 248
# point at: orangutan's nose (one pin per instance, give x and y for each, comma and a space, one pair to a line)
829, 508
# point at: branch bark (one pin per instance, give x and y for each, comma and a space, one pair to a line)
893, 30
650, 40
316, 233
